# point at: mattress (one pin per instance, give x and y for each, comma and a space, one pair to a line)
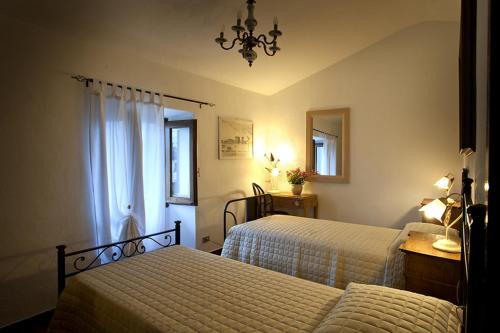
323, 251
183, 290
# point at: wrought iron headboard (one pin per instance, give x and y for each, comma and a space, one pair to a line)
473, 256
254, 208
123, 249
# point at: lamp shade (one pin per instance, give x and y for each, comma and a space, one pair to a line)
434, 209
445, 182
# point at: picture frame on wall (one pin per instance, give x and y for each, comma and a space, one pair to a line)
235, 139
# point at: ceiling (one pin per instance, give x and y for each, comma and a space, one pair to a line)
181, 33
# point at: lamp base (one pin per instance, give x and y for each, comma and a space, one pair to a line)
446, 245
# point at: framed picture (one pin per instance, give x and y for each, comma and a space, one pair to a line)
235, 139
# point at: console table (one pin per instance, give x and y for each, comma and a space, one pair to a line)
291, 203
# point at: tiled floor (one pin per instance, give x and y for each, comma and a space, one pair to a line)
36, 324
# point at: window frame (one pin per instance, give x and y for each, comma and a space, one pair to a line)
193, 161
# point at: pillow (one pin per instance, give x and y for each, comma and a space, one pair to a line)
372, 309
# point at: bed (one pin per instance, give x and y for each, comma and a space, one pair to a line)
323, 251
176, 289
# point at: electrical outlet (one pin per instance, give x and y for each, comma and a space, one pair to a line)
205, 239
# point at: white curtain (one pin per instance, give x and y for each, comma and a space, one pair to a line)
127, 163
328, 163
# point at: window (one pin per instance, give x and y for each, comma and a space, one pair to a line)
180, 162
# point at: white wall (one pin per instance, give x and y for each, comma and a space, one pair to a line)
403, 95
44, 194
400, 90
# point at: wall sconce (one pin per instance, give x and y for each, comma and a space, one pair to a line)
436, 209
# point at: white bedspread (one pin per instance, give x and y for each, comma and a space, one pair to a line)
183, 290
328, 252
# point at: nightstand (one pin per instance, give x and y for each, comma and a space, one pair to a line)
291, 202
429, 271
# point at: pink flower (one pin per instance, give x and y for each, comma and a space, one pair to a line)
297, 177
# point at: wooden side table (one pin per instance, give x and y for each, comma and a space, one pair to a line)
430, 271
290, 202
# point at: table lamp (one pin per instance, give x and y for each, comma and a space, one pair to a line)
445, 183
435, 209
274, 171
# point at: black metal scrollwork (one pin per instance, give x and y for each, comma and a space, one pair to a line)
120, 250
125, 249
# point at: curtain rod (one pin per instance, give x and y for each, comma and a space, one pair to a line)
81, 78
317, 130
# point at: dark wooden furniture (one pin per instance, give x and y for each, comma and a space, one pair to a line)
429, 271
291, 203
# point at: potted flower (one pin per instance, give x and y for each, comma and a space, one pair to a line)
297, 178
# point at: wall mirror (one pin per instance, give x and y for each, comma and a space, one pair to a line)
327, 145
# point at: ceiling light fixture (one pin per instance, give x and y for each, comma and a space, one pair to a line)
246, 38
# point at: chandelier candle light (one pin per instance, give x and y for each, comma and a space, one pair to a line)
246, 38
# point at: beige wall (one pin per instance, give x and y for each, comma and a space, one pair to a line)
403, 95
399, 90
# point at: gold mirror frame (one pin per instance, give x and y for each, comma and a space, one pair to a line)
344, 114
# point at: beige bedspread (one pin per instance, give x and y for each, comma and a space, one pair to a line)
183, 290
328, 252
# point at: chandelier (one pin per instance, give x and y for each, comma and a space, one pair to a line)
247, 40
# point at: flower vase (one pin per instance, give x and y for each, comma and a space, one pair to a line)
296, 189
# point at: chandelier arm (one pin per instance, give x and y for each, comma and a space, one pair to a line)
232, 44
265, 39
265, 48
245, 36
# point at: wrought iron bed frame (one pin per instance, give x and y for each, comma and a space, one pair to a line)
134, 246
257, 206
473, 259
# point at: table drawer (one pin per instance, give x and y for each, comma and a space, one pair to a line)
288, 203
432, 276
433, 269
